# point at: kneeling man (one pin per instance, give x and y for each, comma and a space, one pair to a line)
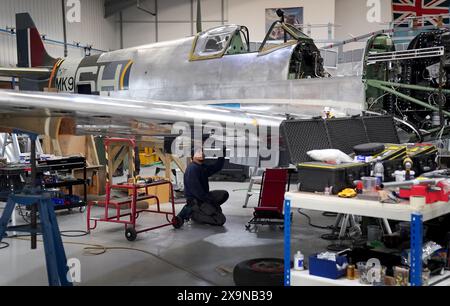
203, 205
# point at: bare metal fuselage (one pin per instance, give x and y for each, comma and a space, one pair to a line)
164, 71
122, 88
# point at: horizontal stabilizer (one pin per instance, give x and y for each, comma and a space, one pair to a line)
25, 72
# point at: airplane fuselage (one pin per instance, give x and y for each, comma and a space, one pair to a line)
164, 71
217, 64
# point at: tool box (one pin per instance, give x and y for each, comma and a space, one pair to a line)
316, 176
327, 268
392, 152
431, 194
422, 155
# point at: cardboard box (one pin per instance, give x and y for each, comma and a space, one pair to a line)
161, 191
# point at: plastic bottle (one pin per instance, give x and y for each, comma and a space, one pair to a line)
378, 171
298, 261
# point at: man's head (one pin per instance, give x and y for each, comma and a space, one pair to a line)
199, 157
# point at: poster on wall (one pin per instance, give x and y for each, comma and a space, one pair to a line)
292, 15
420, 12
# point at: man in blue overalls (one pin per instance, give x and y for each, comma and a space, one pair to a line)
203, 205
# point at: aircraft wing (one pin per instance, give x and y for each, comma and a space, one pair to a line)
115, 117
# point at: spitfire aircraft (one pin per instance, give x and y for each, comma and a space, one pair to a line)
215, 65
143, 91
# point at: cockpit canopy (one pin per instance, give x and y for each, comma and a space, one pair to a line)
218, 41
235, 39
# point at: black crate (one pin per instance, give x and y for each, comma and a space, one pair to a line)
381, 129
346, 133
301, 136
315, 176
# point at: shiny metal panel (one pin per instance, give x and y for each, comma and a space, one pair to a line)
163, 71
157, 115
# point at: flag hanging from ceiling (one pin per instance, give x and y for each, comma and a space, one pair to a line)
427, 11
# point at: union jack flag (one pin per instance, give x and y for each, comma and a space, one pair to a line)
427, 12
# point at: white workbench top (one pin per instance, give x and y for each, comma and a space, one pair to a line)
366, 208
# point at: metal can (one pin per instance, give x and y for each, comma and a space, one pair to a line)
351, 272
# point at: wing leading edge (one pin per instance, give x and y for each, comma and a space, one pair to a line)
104, 115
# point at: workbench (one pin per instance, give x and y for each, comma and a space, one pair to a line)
303, 278
13, 173
67, 164
360, 207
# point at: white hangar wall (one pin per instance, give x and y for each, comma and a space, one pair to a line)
47, 15
177, 18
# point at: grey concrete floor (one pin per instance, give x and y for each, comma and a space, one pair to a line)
197, 255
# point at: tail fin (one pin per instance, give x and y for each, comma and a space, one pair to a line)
30, 48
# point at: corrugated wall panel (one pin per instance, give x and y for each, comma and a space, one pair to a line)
93, 28
174, 17
47, 14
139, 27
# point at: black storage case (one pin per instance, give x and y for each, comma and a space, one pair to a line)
316, 176
301, 136
423, 157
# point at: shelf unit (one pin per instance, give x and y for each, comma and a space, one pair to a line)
303, 278
367, 208
67, 164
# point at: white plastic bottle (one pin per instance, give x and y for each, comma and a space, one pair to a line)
378, 171
298, 261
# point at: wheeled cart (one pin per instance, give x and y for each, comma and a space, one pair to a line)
129, 218
116, 151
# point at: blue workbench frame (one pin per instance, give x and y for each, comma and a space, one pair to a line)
416, 246
416, 249
287, 242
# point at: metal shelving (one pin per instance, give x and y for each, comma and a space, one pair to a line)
56, 165
400, 212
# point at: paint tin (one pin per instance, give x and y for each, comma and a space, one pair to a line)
351, 272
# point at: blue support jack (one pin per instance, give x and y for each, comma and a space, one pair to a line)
38, 200
55, 255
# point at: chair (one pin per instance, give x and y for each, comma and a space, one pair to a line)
271, 199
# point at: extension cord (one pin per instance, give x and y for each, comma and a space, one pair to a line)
97, 249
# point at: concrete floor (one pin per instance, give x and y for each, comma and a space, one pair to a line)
197, 255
